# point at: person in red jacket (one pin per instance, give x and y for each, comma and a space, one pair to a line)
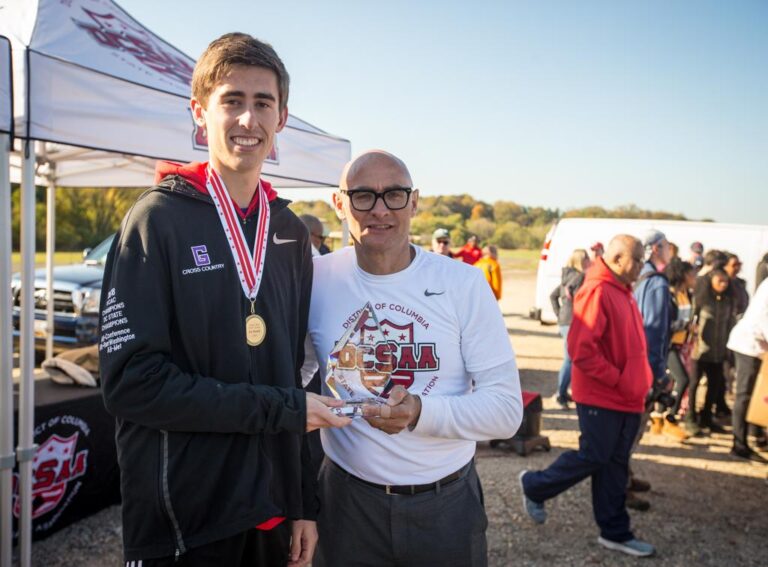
470, 252
610, 379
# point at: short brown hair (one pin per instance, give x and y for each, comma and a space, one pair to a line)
232, 49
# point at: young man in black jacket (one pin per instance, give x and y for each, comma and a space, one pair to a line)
204, 312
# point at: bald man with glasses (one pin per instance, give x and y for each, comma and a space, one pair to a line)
400, 488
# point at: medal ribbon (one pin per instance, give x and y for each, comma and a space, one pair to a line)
250, 266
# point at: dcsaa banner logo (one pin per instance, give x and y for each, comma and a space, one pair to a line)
56, 464
131, 42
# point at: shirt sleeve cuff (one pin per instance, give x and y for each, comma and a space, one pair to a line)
429, 419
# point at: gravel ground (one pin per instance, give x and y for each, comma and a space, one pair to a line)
707, 509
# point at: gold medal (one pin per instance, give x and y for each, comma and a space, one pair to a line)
255, 330
250, 265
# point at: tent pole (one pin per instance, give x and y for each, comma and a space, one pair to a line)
50, 250
7, 457
25, 451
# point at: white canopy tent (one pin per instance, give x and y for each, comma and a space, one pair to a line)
7, 458
97, 98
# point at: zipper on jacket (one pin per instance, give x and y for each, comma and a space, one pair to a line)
166, 501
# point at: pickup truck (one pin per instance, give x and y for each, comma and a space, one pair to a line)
76, 295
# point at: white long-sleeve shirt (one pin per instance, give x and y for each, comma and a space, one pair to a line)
440, 326
750, 335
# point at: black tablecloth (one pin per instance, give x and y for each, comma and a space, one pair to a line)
75, 468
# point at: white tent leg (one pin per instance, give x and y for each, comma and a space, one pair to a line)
50, 249
26, 448
7, 457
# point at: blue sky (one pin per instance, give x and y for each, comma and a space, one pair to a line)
663, 104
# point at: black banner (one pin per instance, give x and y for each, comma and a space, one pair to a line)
75, 472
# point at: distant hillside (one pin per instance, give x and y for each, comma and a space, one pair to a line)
85, 216
504, 223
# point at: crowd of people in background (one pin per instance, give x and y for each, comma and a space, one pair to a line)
696, 345
642, 329
486, 258
700, 345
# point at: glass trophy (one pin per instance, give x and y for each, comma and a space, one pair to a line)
360, 365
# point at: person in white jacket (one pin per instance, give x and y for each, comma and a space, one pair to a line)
748, 341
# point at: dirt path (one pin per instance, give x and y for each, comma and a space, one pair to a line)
706, 508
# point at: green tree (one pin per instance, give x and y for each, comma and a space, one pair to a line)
424, 224
512, 235
16, 217
482, 228
481, 210
506, 211
84, 216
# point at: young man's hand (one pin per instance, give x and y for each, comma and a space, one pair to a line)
303, 542
401, 410
319, 414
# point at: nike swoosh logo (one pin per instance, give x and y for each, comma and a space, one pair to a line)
431, 293
277, 240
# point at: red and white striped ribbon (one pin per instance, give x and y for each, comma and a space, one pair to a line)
250, 265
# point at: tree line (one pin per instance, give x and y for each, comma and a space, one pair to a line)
85, 216
504, 223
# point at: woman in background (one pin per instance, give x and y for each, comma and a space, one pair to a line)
713, 308
682, 278
562, 304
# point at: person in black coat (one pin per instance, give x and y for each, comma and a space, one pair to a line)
715, 314
562, 304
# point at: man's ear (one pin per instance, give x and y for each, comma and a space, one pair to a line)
283, 119
414, 202
338, 205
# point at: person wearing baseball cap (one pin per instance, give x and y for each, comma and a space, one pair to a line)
441, 242
596, 250
697, 255
654, 300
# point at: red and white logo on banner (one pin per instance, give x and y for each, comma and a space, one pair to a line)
56, 463
113, 31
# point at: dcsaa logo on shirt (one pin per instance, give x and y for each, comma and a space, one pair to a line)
202, 260
407, 356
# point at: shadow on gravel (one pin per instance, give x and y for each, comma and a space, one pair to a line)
697, 517
697, 451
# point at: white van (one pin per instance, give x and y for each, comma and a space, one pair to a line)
749, 242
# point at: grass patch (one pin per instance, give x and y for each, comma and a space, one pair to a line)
521, 260
59, 259
525, 260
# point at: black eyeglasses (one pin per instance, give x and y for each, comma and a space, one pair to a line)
364, 200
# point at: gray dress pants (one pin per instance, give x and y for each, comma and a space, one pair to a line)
361, 525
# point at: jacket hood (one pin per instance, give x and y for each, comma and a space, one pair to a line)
599, 271
194, 174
